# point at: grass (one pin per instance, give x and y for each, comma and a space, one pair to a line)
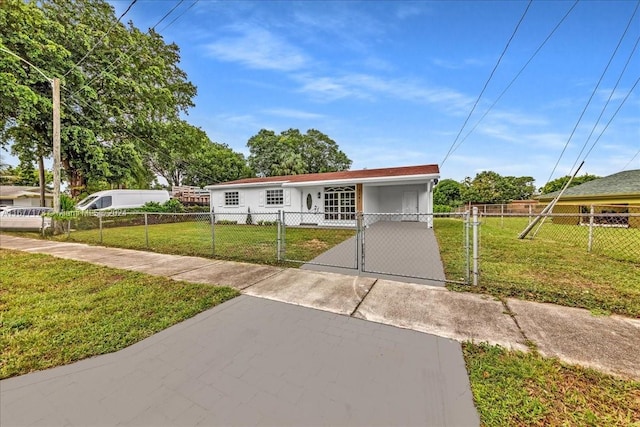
525, 389
542, 269
54, 312
250, 243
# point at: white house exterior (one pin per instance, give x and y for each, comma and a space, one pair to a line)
331, 198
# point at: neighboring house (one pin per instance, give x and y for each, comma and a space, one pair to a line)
16, 195
332, 198
617, 193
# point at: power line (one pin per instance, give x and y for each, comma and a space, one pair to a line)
122, 55
487, 82
631, 161
605, 107
595, 89
167, 14
612, 117
101, 38
516, 76
178, 17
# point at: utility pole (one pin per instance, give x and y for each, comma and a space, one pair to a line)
55, 85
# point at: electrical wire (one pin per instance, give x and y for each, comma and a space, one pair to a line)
631, 161
516, 76
612, 117
125, 55
595, 89
487, 82
178, 17
605, 107
101, 38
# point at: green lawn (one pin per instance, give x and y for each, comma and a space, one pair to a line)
54, 312
525, 389
543, 269
250, 243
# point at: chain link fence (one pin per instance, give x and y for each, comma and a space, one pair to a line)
609, 230
401, 245
250, 237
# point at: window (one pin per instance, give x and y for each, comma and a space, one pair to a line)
102, 203
340, 203
231, 198
275, 197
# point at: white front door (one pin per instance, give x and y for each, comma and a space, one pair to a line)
410, 206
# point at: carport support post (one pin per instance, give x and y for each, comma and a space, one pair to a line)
146, 229
475, 246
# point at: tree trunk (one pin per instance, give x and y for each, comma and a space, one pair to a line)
41, 179
77, 181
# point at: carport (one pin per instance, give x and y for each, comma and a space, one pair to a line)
397, 250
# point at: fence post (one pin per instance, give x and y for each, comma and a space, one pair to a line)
475, 246
501, 216
530, 212
467, 246
359, 243
212, 218
146, 230
100, 224
279, 236
590, 243
68, 228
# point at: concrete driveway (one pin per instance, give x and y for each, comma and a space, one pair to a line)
393, 250
253, 361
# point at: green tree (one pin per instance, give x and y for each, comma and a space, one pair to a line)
447, 193
127, 79
214, 163
293, 153
558, 183
491, 187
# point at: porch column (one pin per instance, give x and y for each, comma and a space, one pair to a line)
359, 198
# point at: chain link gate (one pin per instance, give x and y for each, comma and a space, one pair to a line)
394, 246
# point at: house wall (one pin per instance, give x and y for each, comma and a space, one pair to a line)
573, 206
376, 199
27, 202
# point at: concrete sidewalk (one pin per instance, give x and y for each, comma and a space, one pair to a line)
608, 344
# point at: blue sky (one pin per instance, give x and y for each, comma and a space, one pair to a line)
392, 82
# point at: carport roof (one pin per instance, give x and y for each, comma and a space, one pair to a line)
393, 174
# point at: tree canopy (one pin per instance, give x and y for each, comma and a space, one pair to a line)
293, 153
558, 183
489, 187
123, 94
448, 192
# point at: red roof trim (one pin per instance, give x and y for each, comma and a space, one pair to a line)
331, 176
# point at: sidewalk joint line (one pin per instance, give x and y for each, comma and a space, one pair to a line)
364, 297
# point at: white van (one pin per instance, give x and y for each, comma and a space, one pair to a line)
121, 199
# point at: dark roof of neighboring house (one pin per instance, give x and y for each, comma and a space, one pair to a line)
15, 191
344, 175
621, 183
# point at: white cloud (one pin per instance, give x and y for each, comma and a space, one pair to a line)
294, 114
452, 65
258, 48
365, 86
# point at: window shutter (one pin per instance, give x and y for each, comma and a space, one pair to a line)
241, 198
261, 199
220, 197
287, 197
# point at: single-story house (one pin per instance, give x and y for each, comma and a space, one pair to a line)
617, 193
23, 196
332, 198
